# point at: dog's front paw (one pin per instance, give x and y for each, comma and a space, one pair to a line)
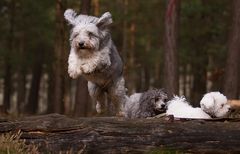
86, 69
74, 73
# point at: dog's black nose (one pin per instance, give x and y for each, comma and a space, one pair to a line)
231, 110
163, 106
81, 44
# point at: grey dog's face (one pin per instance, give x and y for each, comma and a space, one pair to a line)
87, 31
85, 38
160, 103
159, 99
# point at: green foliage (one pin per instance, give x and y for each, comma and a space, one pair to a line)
32, 30
39, 23
204, 29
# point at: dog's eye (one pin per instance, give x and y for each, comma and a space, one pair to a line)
73, 36
90, 34
222, 105
156, 99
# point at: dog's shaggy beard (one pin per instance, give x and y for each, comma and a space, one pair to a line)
90, 39
84, 52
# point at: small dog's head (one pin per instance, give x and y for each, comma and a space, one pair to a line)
157, 99
215, 104
88, 32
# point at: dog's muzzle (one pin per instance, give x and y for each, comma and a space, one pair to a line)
83, 45
159, 111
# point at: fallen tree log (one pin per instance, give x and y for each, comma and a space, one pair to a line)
54, 133
235, 104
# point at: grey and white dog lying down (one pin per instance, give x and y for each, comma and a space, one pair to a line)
146, 104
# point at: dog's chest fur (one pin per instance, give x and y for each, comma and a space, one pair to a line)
108, 66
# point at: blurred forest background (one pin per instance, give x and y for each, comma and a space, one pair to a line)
188, 47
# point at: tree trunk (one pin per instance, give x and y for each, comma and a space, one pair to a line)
21, 89
82, 97
232, 71
58, 75
147, 75
8, 68
33, 99
131, 72
21, 79
96, 7
114, 135
85, 7
170, 55
50, 106
7, 85
199, 82
157, 76
125, 30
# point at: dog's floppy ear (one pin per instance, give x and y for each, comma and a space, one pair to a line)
105, 20
70, 16
207, 101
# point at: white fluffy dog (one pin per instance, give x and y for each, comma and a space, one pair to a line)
213, 104
180, 108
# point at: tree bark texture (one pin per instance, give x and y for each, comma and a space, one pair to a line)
81, 98
85, 7
8, 66
33, 98
232, 72
131, 57
59, 71
21, 78
170, 55
54, 133
199, 80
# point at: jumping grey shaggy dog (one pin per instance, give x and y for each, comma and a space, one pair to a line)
146, 104
94, 56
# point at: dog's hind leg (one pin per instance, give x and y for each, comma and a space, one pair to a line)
98, 96
117, 94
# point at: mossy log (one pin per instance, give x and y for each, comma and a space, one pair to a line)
54, 133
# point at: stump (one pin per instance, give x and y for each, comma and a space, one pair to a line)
54, 133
